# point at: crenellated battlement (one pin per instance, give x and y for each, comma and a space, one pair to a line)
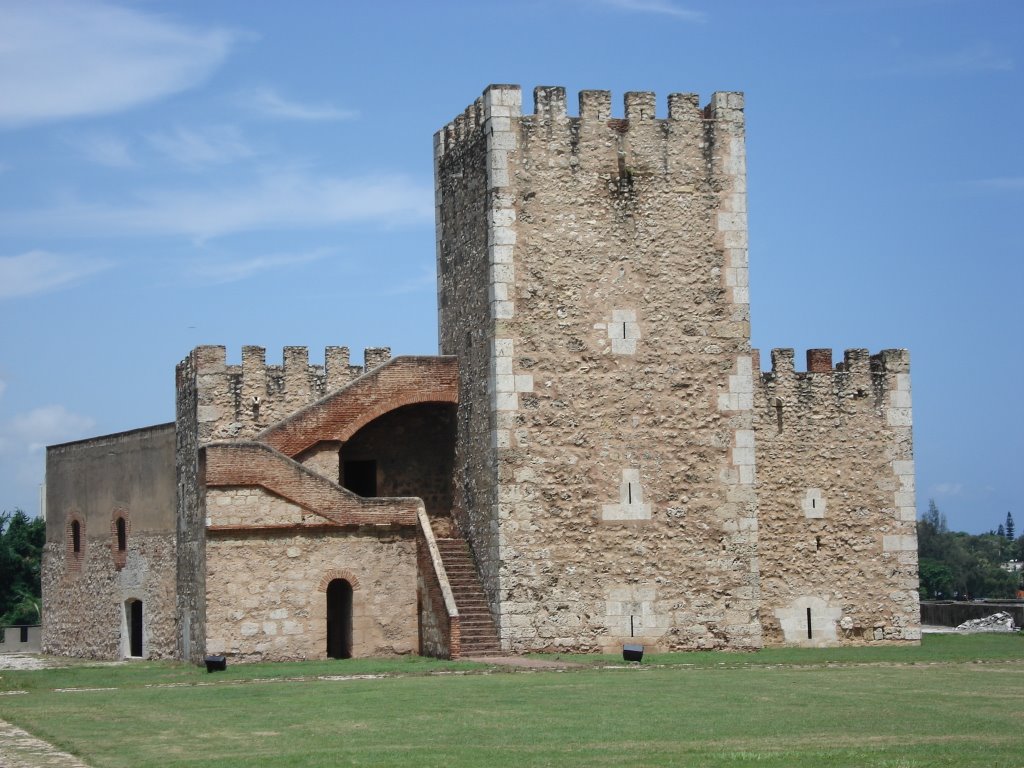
295, 373
819, 361
503, 103
235, 401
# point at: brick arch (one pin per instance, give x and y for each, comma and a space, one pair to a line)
342, 573
73, 560
120, 556
400, 382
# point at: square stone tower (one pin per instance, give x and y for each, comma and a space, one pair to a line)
592, 277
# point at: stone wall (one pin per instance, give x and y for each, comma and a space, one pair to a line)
467, 190
266, 592
12, 639
238, 401
619, 374
84, 607
217, 401
93, 483
440, 627
190, 504
838, 547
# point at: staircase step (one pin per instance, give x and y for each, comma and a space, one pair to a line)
479, 636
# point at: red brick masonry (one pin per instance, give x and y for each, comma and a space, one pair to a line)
256, 464
399, 382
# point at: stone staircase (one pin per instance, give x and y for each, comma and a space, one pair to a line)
478, 633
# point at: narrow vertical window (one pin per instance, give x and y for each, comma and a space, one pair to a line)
122, 535
809, 633
778, 414
76, 537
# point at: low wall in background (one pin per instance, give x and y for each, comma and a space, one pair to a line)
21, 639
948, 613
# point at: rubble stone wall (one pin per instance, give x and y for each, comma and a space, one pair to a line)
838, 546
85, 614
238, 401
266, 592
95, 482
619, 380
217, 401
466, 190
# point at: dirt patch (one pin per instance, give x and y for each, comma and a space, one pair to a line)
522, 661
19, 749
23, 661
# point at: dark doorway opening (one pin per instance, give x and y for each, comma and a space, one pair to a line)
134, 610
361, 477
339, 619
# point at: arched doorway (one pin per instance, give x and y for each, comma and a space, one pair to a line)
133, 615
339, 619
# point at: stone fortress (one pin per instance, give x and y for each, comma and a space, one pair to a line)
594, 458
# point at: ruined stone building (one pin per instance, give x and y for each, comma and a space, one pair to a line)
595, 456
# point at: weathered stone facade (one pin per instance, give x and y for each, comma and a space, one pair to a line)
836, 486
611, 473
265, 590
88, 593
596, 428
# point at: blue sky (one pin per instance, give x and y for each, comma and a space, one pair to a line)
228, 172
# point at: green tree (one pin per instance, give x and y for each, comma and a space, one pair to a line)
961, 565
21, 551
936, 579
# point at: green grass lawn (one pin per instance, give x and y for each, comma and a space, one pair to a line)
897, 707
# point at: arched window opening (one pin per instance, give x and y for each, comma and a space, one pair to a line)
339, 619
122, 535
133, 619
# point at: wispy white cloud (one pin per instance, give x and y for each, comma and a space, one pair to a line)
269, 103
662, 7
49, 424
240, 269
979, 57
69, 58
195, 149
948, 489
103, 149
279, 198
1003, 183
41, 271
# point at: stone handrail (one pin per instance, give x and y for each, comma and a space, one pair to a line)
433, 573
